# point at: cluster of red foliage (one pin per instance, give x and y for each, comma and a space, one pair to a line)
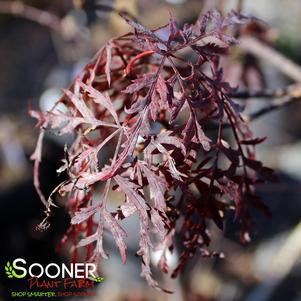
150, 95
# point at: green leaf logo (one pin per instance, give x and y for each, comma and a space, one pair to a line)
9, 270
98, 279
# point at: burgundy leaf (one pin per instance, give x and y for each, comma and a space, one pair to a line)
203, 139
157, 186
140, 28
88, 240
234, 17
118, 234
134, 197
144, 81
84, 214
101, 99
152, 116
108, 62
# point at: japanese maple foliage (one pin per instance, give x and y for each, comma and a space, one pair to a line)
148, 97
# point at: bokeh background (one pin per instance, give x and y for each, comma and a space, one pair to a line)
40, 53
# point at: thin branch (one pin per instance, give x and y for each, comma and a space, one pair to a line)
291, 90
274, 105
283, 97
271, 56
42, 17
239, 5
